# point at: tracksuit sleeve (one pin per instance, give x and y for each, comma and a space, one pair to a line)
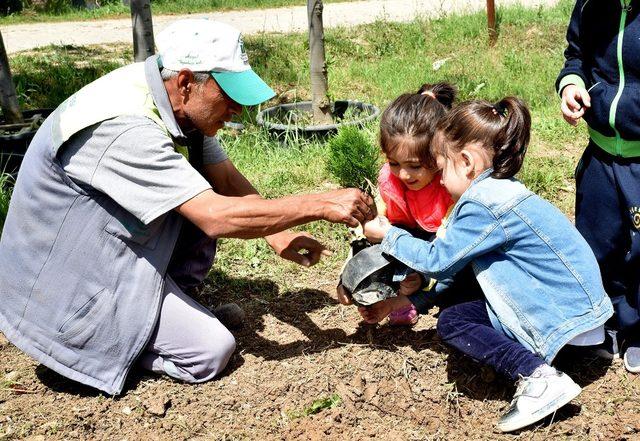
573, 72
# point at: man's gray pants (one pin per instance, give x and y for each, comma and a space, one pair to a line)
189, 342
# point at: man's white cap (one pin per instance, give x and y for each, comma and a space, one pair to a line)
203, 45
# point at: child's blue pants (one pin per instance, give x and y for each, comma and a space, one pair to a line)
467, 327
608, 216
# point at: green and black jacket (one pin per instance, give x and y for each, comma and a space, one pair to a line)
603, 55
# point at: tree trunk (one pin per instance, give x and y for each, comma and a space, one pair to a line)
321, 105
8, 97
491, 22
143, 44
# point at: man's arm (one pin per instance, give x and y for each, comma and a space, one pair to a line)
226, 180
298, 247
235, 209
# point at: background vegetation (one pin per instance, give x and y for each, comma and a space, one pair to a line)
63, 10
308, 368
372, 63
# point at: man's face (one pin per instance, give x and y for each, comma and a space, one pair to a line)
208, 107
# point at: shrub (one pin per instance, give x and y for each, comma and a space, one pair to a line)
353, 160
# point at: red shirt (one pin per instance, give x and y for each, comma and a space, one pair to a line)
422, 208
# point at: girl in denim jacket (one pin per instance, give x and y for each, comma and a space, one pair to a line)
541, 284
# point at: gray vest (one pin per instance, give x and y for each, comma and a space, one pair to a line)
82, 278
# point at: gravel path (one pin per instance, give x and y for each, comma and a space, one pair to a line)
283, 20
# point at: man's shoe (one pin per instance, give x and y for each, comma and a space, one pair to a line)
537, 396
632, 357
230, 315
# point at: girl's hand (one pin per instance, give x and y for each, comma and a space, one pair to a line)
376, 228
411, 284
343, 297
575, 100
379, 311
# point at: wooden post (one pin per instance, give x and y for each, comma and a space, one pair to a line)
491, 22
8, 97
320, 102
143, 44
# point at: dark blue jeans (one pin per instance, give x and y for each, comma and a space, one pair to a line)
467, 328
608, 216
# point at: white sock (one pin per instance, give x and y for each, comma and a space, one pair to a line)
544, 370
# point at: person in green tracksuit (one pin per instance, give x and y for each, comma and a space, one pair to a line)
600, 82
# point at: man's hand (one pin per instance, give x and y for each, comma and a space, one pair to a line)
347, 206
410, 284
376, 228
301, 248
575, 100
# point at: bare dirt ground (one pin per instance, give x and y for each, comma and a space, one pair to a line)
300, 347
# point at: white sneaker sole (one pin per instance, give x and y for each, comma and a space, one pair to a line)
568, 395
633, 370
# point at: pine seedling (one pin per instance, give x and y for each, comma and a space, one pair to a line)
353, 160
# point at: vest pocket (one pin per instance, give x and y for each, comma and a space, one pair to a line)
130, 230
81, 325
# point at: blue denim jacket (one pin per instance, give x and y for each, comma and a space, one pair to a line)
540, 279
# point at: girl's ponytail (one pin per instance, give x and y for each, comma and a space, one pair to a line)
503, 128
445, 93
512, 140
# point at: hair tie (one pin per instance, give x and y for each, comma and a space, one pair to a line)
430, 93
499, 109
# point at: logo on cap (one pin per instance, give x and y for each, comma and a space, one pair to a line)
243, 54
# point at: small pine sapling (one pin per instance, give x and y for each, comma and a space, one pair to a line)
353, 160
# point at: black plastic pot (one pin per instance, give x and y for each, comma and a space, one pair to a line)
361, 113
13, 145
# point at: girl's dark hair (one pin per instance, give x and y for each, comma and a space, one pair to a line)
503, 128
411, 120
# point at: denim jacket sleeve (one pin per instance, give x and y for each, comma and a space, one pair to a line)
473, 231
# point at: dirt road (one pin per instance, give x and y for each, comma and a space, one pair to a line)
284, 20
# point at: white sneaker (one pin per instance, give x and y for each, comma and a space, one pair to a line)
537, 396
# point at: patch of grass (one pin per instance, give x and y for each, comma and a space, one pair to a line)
547, 176
6, 187
46, 77
317, 406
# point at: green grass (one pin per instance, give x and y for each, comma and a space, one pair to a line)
6, 186
372, 63
62, 10
317, 406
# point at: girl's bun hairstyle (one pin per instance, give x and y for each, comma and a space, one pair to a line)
412, 118
445, 93
504, 128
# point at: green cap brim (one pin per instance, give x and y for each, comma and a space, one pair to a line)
245, 88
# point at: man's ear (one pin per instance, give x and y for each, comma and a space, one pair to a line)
185, 82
